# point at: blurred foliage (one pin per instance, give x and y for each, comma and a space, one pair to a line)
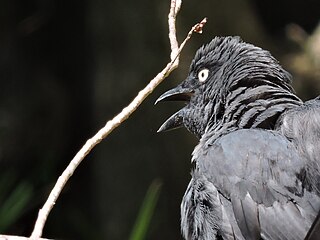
305, 61
67, 67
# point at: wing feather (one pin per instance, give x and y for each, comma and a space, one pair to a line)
257, 171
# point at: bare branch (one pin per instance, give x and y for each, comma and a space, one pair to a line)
174, 9
116, 121
10, 237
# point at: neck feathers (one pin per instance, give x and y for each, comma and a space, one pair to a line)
257, 106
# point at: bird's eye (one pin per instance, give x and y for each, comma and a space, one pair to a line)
203, 75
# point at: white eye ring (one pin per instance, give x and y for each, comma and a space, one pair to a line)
203, 75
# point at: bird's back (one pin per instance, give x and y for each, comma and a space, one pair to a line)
301, 125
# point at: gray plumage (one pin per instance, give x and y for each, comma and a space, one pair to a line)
256, 168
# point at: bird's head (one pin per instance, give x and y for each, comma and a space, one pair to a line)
219, 69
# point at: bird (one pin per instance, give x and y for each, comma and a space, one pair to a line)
255, 172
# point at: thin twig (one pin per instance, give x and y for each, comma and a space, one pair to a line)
116, 121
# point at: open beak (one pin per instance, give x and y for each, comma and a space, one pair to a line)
176, 94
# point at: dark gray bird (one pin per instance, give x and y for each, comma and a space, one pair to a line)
256, 168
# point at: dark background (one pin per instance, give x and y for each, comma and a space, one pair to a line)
66, 67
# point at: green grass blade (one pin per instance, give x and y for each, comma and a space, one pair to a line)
13, 206
146, 211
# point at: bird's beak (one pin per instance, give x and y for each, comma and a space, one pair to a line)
176, 94
179, 93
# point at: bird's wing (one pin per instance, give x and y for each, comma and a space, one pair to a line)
260, 172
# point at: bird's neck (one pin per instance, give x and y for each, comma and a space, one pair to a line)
255, 107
